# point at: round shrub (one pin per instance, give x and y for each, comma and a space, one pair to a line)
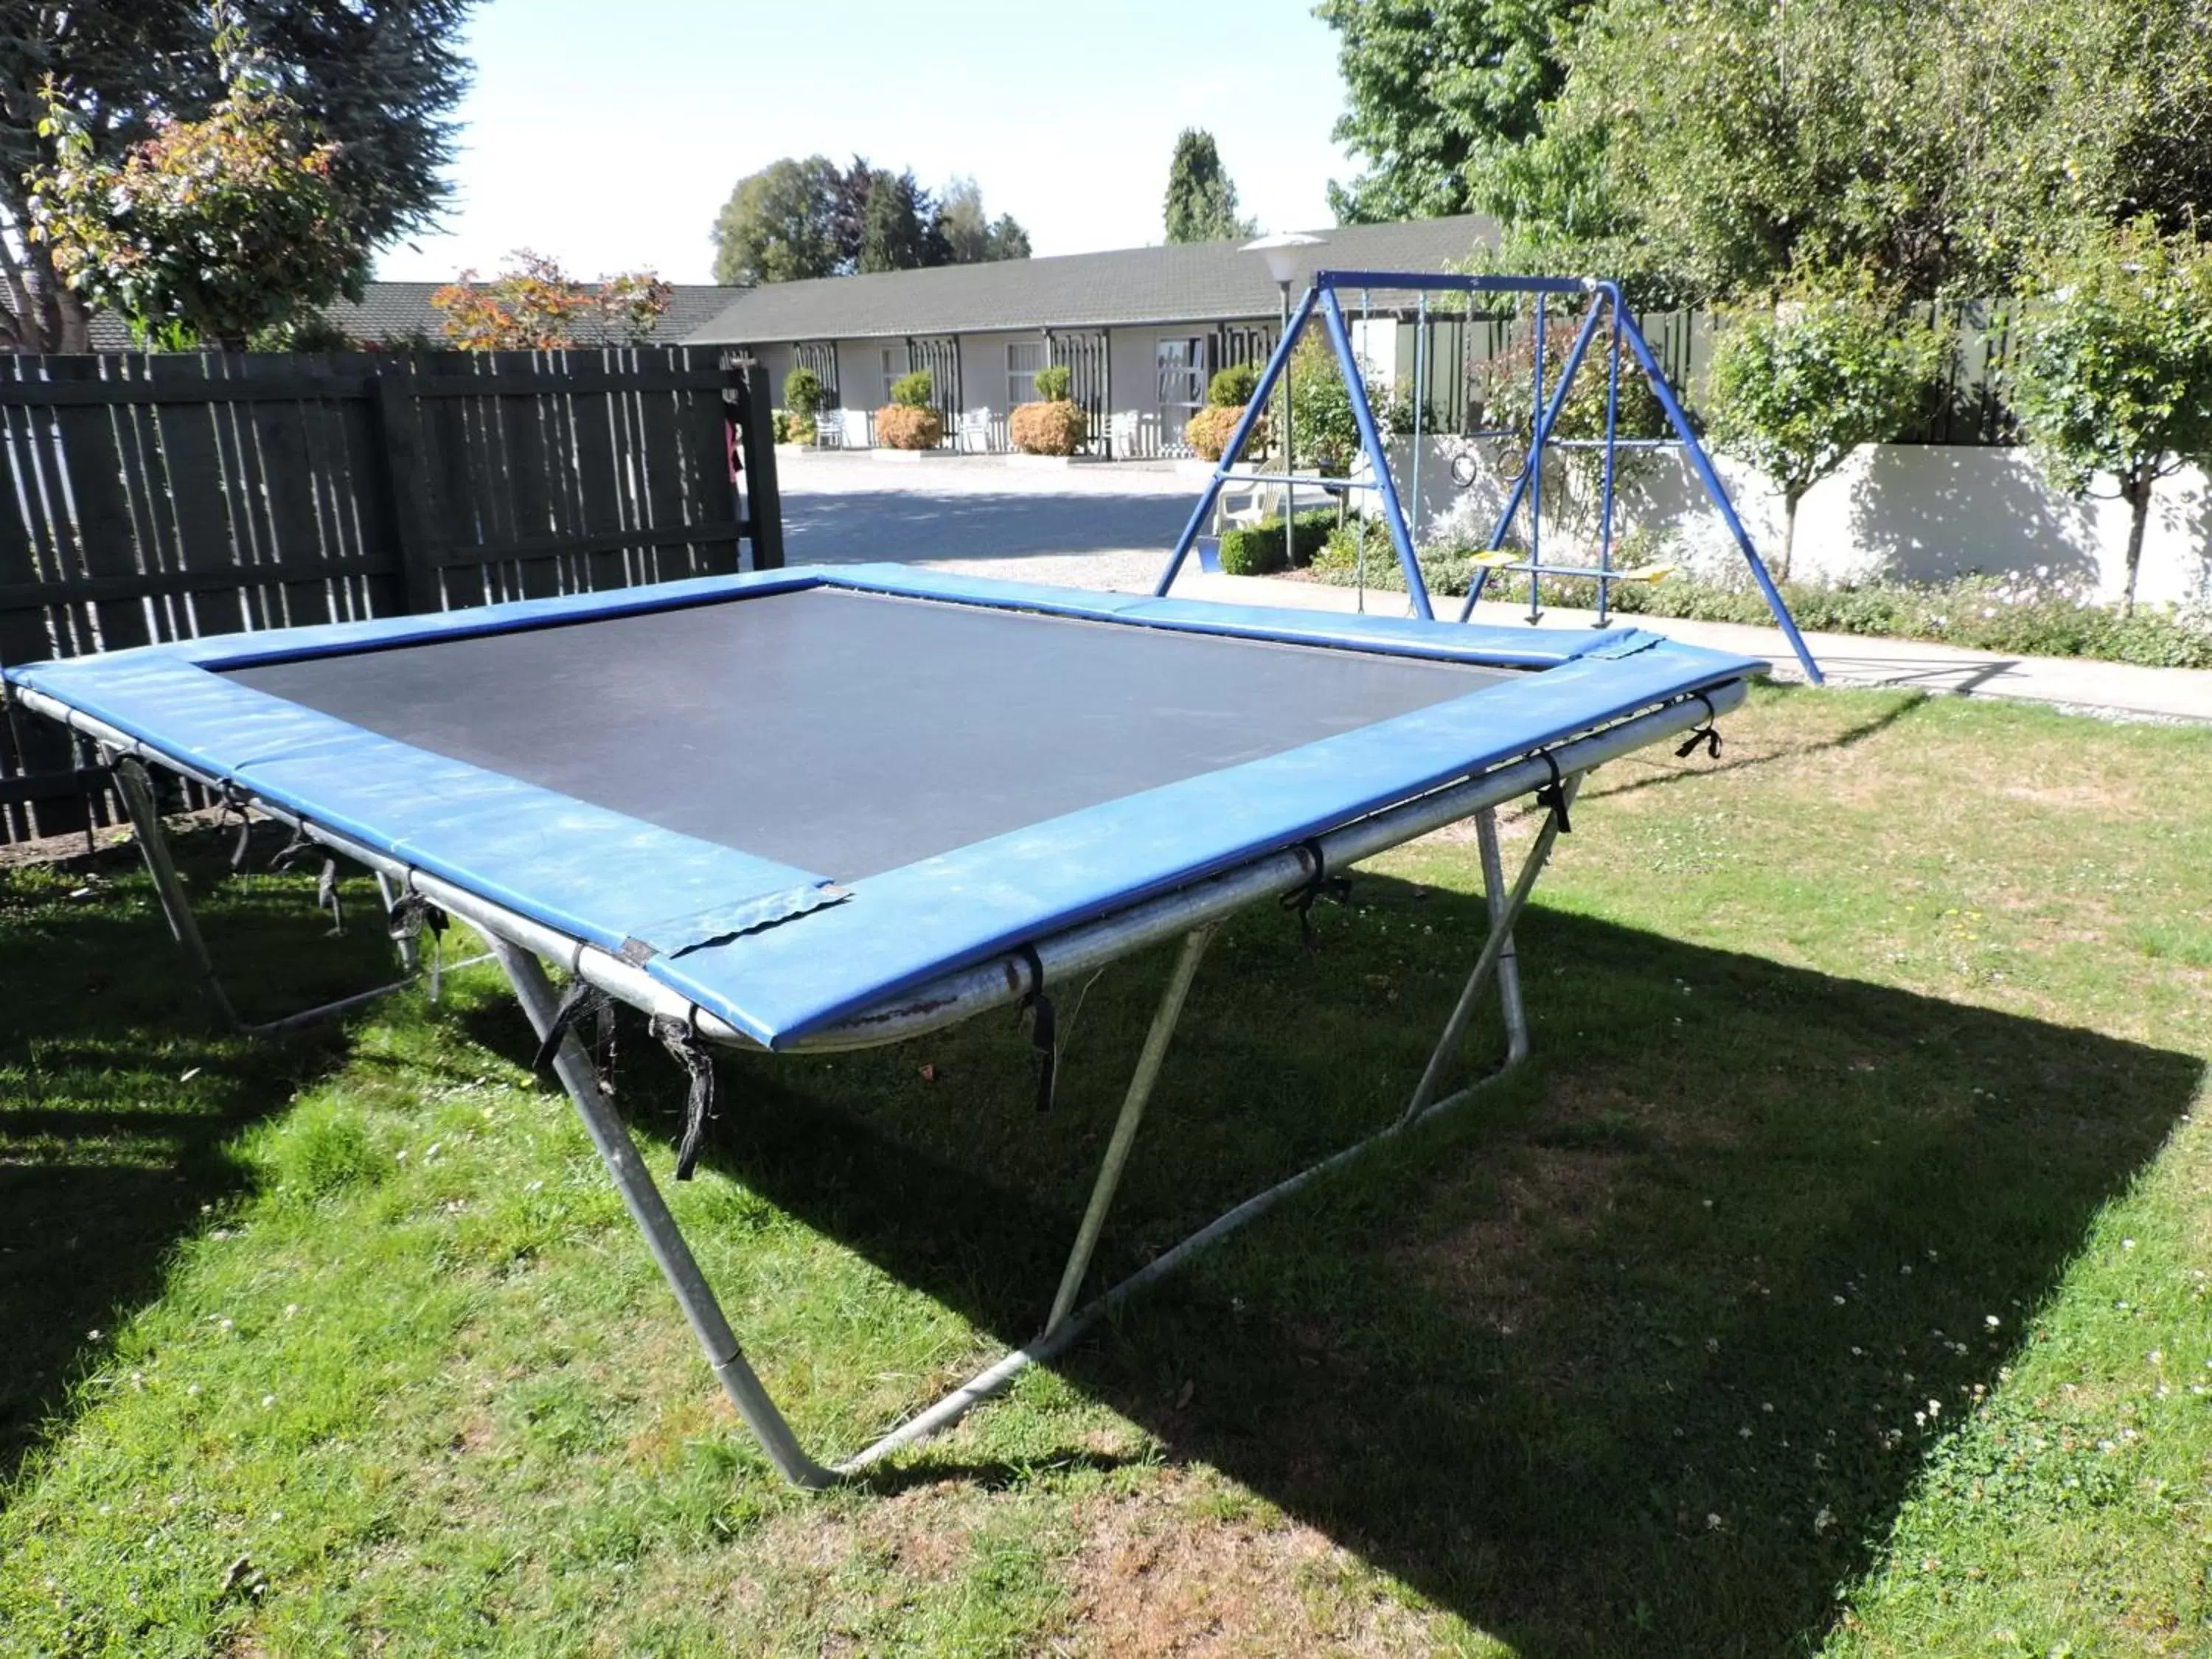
914, 390
907, 426
1053, 428
1233, 386
1055, 383
802, 392
1208, 432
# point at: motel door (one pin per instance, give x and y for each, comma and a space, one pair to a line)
1182, 360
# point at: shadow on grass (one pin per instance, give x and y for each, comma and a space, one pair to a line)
119, 1094
1873, 726
1624, 1355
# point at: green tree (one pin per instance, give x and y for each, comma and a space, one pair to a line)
1713, 150
380, 77
966, 234
1437, 92
2113, 375
1201, 201
896, 237
780, 224
1799, 384
205, 230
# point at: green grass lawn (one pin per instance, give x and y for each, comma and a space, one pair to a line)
1834, 1280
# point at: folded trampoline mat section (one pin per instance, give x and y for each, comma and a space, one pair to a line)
790, 795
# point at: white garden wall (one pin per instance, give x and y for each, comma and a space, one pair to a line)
1911, 512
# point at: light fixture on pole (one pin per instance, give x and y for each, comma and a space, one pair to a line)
1285, 253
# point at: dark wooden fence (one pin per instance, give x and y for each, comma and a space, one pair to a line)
161, 497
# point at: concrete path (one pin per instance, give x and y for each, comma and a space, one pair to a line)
2172, 694
1088, 524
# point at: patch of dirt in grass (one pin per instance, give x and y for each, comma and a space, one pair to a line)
1156, 1575
1478, 1268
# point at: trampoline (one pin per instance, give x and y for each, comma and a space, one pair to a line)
817, 809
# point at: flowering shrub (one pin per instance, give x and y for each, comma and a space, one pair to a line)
535, 306
1057, 428
208, 229
903, 426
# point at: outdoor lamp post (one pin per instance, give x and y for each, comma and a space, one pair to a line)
1282, 252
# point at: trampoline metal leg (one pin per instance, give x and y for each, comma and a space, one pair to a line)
1069, 1324
1508, 959
1497, 957
650, 1211
1125, 1126
136, 789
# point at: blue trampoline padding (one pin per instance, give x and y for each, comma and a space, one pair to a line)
778, 951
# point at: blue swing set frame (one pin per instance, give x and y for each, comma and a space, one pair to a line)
1605, 301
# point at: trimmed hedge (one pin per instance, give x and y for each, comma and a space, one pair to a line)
1208, 432
1257, 550
1057, 428
901, 426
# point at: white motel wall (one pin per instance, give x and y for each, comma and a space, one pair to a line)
1907, 512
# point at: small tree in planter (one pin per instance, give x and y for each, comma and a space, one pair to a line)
803, 396
1799, 384
1054, 425
1208, 432
2115, 367
909, 421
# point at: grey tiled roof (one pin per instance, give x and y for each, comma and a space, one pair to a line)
389, 312
1196, 281
397, 311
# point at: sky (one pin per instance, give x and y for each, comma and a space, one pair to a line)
609, 135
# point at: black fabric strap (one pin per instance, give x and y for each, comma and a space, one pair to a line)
581, 998
1708, 734
1554, 794
413, 918
1300, 899
234, 803
415, 915
1044, 1029
292, 850
684, 1048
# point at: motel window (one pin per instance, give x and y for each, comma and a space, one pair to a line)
1025, 358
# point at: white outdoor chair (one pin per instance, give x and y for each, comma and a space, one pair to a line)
974, 434
830, 429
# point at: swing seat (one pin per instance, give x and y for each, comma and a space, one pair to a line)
1498, 558
1644, 572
